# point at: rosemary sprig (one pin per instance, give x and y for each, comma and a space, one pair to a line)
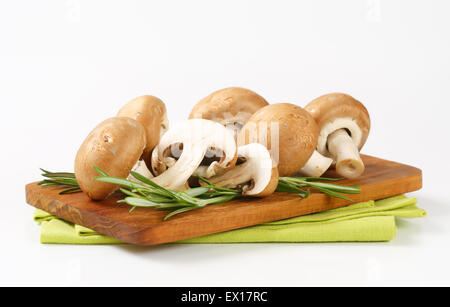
145, 193
298, 185
64, 180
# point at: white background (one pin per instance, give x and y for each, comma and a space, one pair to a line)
67, 65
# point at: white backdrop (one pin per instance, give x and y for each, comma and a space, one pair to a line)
67, 65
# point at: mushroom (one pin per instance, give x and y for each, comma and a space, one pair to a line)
316, 165
184, 148
150, 111
115, 146
141, 168
255, 172
288, 131
231, 107
344, 125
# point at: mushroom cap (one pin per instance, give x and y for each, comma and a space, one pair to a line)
287, 130
115, 146
229, 106
150, 111
339, 111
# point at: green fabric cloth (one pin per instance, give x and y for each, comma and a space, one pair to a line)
369, 221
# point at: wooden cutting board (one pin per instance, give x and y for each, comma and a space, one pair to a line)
144, 226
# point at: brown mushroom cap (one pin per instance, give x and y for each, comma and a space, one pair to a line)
297, 135
229, 104
115, 146
334, 109
150, 111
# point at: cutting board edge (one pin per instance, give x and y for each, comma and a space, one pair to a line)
151, 235
152, 232
73, 215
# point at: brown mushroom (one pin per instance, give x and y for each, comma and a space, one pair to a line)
288, 131
150, 111
231, 107
344, 125
115, 146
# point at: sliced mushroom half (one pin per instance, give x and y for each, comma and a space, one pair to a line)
185, 147
255, 172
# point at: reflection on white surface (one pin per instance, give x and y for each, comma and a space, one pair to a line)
73, 11
373, 10
373, 270
73, 272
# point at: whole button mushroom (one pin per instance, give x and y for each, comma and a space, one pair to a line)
344, 125
287, 130
115, 146
150, 111
231, 107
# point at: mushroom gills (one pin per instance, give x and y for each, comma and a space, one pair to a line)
209, 166
348, 160
183, 149
255, 175
175, 177
344, 123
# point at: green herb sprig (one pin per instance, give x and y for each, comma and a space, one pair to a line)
298, 185
62, 180
145, 193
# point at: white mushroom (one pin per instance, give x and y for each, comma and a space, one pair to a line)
187, 146
256, 175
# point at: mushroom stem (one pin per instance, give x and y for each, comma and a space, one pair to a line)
316, 165
346, 154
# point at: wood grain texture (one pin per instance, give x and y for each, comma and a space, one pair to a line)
145, 226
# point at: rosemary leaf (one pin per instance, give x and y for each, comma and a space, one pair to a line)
333, 194
146, 193
184, 209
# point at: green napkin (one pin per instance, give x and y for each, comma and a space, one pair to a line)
369, 221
